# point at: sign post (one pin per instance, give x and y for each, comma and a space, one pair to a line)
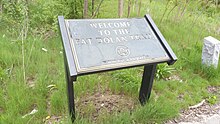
98, 45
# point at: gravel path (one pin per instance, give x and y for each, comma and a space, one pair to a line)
202, 114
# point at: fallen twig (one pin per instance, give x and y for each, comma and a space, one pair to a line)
197, 105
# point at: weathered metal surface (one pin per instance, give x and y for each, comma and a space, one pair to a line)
102, 44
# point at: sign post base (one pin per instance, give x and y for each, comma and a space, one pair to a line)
147, 83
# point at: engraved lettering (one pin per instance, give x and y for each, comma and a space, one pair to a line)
94, 25
121, 31
150, 37
147, 36
132, 37
77, 41
83, 41
89, 40
115, 31
106, 40
126, 31
116, 25
100, 25
104, 32
110, 25
107, 32
127, 59
117, 39
137, 37
111, 40
101, 32
144, 36
99, 39
124, 24
123, 39
105, 25
117, 28
86, 41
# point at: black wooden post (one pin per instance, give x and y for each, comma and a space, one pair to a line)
147, 83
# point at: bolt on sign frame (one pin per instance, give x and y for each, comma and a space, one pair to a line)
98, 45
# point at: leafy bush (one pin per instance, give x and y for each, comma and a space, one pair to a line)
41, 15
46, 13
14, 10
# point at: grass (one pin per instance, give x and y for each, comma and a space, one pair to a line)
45, 89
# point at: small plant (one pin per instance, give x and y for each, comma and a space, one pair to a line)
212, 99
163, 71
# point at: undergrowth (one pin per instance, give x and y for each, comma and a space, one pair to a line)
43, 87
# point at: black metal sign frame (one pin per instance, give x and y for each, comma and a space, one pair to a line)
149, 66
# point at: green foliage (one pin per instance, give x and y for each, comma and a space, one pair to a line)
163, 71
43, 14
45, 69
40, 15
208, 7
15, 10
212, 99
14, 13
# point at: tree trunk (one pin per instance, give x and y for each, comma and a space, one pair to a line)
85, 12
93, 4
217, 2
136, 6
129, 8
120, 8
139, 8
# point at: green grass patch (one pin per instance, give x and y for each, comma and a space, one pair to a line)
44, 86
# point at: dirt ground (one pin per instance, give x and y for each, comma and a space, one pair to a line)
99, 103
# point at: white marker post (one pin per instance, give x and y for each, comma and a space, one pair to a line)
210, 51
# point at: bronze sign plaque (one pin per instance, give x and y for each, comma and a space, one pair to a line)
102, 44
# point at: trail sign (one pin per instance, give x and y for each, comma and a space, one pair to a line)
97, 45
